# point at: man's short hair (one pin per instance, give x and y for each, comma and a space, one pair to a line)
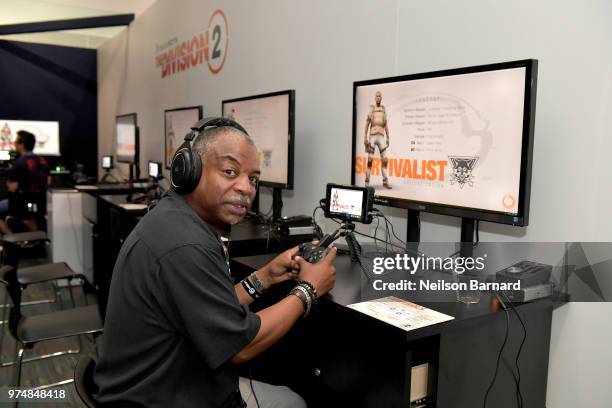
203, 141
27, 139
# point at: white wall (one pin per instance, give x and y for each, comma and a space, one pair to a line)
320, 47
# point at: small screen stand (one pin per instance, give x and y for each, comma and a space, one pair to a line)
107, 175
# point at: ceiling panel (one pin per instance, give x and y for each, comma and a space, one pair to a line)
27, 11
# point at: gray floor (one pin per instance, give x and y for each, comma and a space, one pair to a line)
53, 369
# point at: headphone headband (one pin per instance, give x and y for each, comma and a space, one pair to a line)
209, 122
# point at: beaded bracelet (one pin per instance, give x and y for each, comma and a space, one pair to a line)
311, 289
303, 297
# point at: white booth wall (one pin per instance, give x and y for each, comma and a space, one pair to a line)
319, 48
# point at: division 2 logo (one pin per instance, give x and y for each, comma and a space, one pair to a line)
462, 170
208, 47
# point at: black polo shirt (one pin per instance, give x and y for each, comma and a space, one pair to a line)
30, 171
173, 319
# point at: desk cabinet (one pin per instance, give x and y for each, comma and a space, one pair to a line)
65, 228
338, 357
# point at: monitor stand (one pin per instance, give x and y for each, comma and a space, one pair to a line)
255, 203
413, 231
466, 246
134, 172
277, 203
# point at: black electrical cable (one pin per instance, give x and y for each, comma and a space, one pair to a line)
368, 236
518, 354
501, 350
252, 388
392, 229
376, 232
318, 230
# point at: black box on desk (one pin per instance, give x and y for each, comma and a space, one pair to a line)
296, 225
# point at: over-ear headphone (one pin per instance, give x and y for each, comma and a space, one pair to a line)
186, 164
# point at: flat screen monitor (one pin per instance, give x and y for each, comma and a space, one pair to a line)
177, 123
126, 138
460, 141
269, 120
46, 133
107, 162
349, 203
5, 155
154, 169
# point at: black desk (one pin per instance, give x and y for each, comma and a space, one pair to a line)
113, 222
340, 357
253, 238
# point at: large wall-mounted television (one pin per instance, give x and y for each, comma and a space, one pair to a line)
269, 120
460, 140
177, 123
127, 138
46, 133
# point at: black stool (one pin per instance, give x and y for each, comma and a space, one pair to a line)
29, 330
84, 381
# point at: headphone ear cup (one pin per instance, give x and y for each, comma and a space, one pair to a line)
196, 168
179, 173
186, 171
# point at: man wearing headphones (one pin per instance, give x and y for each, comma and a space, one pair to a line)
176, 326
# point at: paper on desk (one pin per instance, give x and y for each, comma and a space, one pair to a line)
401, 313
133, 206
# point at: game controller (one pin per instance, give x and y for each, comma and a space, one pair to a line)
313, 253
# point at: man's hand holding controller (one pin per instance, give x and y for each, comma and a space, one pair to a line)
316, 279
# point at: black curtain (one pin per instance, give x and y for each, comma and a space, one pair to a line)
49, 82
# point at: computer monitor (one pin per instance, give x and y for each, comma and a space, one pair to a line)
177, 123
269, 120
107, 162
126, 138
155, 171
460, 140
5, 156
46, 133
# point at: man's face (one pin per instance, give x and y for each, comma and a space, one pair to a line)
18, 145
378, 98
230, 173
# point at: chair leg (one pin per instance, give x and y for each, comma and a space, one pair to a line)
71, 292
4, 324
19, 359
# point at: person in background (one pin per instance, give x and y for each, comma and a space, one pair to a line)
29, 176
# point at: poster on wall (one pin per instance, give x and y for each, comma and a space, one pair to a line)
178, 123
452, 140
46, 133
